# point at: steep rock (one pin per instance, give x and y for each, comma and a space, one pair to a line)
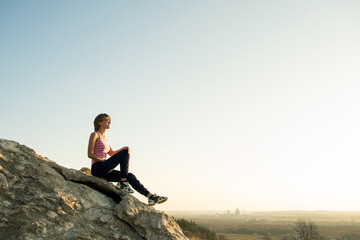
41, 200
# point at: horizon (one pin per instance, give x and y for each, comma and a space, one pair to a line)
262, 211
231, 104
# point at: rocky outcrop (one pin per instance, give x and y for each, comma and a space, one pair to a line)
41, 200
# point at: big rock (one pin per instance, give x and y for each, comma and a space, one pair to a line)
40, 199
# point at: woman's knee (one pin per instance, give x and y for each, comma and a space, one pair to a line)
127, 149
122, 153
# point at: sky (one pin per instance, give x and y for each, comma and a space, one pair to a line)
224, 104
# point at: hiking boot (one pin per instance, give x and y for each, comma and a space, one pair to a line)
155, 199
124, 186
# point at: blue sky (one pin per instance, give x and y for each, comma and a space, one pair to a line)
225, 104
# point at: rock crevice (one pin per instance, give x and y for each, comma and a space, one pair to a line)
84, 177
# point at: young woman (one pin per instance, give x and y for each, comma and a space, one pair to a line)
98, 150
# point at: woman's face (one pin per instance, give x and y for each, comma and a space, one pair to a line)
106, 123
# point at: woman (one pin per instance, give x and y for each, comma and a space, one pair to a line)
101, 167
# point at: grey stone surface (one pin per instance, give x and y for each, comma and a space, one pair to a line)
41, 200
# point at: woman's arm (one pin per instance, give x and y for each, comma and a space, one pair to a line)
111, 152
92, 140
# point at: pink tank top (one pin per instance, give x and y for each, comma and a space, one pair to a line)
101, 147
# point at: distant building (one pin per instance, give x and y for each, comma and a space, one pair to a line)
237, 212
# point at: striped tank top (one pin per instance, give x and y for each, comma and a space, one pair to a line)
101, 147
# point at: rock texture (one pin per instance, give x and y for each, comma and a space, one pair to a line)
41, 200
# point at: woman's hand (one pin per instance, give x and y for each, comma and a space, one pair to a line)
112, 152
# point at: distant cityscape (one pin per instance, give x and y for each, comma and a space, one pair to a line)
237, 212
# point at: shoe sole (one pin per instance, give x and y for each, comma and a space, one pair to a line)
127, 191
162, 201
123, 190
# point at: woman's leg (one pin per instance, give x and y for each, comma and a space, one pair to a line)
115, 175
136, 184
101, 169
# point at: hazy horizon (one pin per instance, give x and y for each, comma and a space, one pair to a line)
262, 211
224, 104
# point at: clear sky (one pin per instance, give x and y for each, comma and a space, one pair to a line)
224, 104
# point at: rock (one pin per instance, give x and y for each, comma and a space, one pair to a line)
3, 181
158, 225
41, 200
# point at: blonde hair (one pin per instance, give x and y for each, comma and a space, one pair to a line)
99, 118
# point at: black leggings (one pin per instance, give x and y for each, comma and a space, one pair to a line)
105, 170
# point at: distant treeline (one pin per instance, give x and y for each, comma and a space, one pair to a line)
193, 230
279, 229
